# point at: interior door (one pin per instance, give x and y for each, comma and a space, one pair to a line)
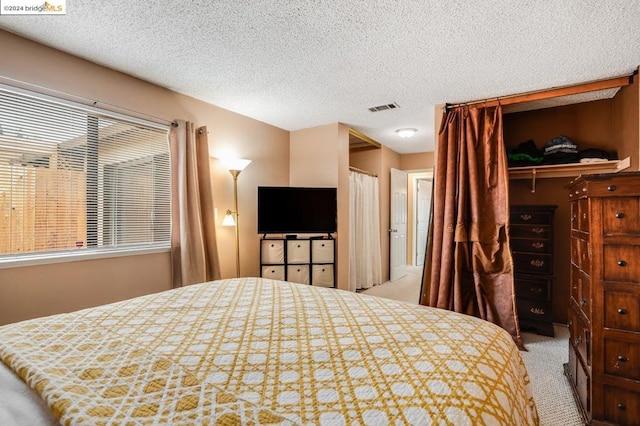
398, 225
423, 211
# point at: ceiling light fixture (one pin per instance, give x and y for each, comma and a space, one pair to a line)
406, 133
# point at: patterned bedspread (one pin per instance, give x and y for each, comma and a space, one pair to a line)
256, 351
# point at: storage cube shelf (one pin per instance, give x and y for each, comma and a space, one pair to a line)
300, 260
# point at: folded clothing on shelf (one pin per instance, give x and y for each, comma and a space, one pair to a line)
593, 155
525, 154
560, 150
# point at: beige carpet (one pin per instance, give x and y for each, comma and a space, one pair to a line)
406, 289
544, 357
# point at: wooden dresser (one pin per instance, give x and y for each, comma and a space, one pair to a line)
531, 239
604, 311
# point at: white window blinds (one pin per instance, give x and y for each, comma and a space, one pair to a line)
75, 180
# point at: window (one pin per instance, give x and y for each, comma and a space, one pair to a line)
77, 180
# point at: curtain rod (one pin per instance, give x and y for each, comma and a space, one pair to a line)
19, 84
550, 93
364, 172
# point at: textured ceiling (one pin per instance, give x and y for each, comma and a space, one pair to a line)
297, 64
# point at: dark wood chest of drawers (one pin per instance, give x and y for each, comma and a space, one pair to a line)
531, 239
604, 312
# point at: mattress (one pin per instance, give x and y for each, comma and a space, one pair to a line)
258, 351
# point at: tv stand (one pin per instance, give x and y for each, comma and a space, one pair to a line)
309, 260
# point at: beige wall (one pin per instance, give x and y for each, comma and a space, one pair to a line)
318, 156
43, 290
419, 161
68, 286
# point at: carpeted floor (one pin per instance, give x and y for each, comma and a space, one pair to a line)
544, 357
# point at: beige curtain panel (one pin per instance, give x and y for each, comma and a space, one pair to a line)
469, 263
194, 255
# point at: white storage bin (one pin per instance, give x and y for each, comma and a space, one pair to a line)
322, 251
273, 251
322, 275
298, 274
273, 272
298, 251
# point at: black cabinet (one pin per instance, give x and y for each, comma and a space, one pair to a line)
531, 240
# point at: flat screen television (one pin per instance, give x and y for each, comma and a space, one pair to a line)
286, 210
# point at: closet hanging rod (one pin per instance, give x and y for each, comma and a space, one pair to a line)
69, 98
364, 172
550, 93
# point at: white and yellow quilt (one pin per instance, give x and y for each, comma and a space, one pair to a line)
256, 351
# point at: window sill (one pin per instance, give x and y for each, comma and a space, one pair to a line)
77, 255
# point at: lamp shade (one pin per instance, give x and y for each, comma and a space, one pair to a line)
235, 163
228, 220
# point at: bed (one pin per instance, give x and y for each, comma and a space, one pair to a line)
258, 351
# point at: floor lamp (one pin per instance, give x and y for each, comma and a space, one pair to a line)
235, 166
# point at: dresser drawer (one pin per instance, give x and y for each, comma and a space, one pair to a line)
298, 274
273, 272
621, 263
531, 245
530, 231
538, 263
298, 251
584, 253
575, 283
575, 251
322, 251
622, 311
574, 215
272, 251
621, 215
580, 291
579, 336
622, 358
621, 406
533, 288
322, 275
619, 185
583, 387
534, 309
523, 215
583, 215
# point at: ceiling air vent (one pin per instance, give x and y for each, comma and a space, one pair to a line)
383, 107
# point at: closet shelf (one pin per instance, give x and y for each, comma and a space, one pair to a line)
569, 170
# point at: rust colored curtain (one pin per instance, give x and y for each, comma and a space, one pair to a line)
194, 255
469, 263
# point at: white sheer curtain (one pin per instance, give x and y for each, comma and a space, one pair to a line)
365, 264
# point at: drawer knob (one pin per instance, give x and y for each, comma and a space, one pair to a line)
622, 311
298, 245
621, 406
525, 216
537, 263
537, 245
537, 311
611, 188
622, 263
622, 358
619, 215
537, 230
